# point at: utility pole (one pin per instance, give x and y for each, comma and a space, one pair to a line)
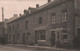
2, 14
3, 35
3, 19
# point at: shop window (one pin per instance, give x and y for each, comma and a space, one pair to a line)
42, 33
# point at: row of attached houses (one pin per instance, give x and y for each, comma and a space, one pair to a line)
45, 25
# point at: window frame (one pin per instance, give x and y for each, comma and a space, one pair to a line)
53, 18
40, 19
26, 25
64, 15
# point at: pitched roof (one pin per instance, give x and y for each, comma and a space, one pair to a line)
44, 7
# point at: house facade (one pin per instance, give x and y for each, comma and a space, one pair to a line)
48, 24
1, 29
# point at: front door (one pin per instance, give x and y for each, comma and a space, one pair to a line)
36, 36
14, 39
78, 34
24, 38
52, 38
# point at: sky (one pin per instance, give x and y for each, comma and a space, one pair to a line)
17, 6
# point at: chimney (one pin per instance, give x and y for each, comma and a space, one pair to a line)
49, 1
37, 5
15, 15
6, 19
26, 12
20, 14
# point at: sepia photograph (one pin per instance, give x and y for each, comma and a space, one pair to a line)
39, 25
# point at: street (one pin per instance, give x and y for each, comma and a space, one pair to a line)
8, 48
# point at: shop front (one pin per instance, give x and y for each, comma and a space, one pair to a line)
40, 36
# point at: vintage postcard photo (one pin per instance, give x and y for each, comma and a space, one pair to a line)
39, 25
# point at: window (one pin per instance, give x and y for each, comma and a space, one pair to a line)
58, 36
37, 35
9, 28
18, 36
40, 20
64, 15
53, 18
26, 25
64, 32
29, 11
42, 33
9, 36
64, 36
17, 26
28, 36
13, 27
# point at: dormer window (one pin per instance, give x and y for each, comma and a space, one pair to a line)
29, 11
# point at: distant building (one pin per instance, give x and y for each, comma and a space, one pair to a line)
15, 16
1, 29
55, 21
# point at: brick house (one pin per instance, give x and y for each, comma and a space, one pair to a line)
55, 21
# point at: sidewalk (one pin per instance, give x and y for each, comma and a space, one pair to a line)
45, 47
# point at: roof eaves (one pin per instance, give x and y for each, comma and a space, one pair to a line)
52, 4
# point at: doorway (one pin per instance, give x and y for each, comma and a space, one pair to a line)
52, 38
36, 37
24, 38
78, 32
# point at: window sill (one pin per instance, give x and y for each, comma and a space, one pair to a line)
41, 40
65, 21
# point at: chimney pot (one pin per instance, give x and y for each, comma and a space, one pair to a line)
37, 5
26, 12
20, 14
49, 1
15, 15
